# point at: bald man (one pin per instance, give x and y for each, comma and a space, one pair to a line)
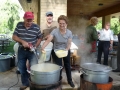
105, 44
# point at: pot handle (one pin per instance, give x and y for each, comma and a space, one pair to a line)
83, 71
30, 72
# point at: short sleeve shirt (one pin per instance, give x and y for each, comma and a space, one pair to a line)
29, 35
106, 35
60, 40
46, 30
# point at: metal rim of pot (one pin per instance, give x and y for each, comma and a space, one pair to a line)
33, 71
87, 72
96, 67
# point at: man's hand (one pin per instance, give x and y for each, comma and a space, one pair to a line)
25, 44
111, 47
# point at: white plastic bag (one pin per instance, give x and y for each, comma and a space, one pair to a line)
42, 57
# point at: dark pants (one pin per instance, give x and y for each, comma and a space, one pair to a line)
23, 56
103, 46
118, 57
67, 65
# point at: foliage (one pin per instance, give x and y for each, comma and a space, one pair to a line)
99, 25
10, 15
8, 49
115, 25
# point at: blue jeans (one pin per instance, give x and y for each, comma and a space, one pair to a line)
23, 56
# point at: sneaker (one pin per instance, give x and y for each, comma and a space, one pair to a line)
23, 87
71, 84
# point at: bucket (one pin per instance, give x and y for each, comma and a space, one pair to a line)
15, 48
113, 62
48, 50
105, 86
5, 64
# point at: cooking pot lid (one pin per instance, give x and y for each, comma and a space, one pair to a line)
96, 67
45, 67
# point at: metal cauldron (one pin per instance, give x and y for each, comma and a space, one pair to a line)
95, 73
45, 73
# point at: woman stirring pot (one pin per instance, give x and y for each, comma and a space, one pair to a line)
62, 38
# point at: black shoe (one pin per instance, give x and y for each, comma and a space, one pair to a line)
116, 70
17, 72
23, 87
71, 84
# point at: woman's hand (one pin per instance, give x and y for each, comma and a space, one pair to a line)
42, 49
66, 49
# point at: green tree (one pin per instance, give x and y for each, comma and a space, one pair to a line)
99, 25
115, 25
10, 15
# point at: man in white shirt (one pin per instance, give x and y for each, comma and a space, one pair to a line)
105, 44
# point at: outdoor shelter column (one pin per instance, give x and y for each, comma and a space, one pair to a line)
105, 19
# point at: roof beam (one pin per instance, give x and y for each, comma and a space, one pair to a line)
107, 11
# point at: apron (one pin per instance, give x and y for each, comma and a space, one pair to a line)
93, 46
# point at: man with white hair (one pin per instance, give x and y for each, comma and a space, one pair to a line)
105, 43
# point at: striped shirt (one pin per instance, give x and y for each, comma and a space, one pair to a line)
29, 35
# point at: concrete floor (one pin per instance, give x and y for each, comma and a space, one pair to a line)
9, 78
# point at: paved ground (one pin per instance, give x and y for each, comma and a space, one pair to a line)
9, 78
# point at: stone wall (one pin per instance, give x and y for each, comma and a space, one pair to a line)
58, 7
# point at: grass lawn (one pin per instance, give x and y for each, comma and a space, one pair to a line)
9, 49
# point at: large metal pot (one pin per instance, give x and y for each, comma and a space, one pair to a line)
95, 73
45, 73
